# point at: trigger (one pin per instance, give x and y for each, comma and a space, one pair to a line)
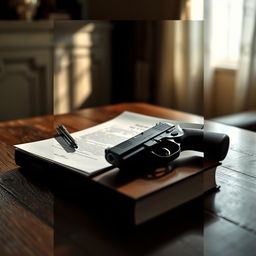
162, 151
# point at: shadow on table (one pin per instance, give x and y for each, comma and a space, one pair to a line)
179, 232
85, 219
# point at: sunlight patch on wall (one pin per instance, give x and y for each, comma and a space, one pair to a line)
72, 59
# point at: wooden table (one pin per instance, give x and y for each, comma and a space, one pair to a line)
34, 220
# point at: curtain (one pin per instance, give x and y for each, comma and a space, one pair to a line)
208, 60
179, 82
246, 76
169, 64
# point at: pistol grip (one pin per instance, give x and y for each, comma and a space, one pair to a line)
213, 145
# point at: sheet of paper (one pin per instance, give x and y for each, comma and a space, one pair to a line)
89, 158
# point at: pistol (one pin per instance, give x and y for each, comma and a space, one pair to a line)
163, 143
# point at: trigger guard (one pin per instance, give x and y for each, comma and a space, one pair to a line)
170, 146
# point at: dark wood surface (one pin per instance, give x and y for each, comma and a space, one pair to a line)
37, 220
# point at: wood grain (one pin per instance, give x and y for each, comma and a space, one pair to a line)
241, 162
74, 122
6, 157
30, 191
22, 134
102, 114
222, 237
235, 201
22, 233
26, 201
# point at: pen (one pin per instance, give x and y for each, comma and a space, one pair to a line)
65, 134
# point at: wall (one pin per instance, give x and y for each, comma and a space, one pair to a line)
134, 9
25, 69
47, 66
223, 92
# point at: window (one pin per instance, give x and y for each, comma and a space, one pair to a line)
225, 24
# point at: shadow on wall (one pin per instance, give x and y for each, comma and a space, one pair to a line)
81, 65
159, 62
